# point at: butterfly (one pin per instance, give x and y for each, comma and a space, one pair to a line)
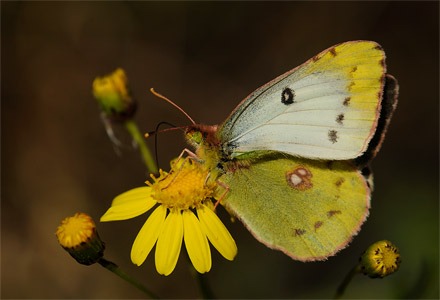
292, 159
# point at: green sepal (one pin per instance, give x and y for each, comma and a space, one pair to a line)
89, 252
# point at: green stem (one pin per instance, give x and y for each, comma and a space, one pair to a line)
342, 287
140, 140
115, 269
205, 289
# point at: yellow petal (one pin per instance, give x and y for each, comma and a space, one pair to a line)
147, 236
130, 204
169, 243
217, 233
196, 242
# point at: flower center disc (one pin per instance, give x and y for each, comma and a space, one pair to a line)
184, 188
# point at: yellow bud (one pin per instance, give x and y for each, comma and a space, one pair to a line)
380, 259
111, 92
78, 236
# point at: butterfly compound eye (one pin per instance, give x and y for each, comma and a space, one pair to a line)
196, 136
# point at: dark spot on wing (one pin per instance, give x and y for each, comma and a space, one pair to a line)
339, 182
318, 224
331, 213
333, 51
287, 96
350, 86
354, 69
340, 118
347, 101
333, 136
299, 232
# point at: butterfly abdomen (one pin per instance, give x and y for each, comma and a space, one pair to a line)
235, 165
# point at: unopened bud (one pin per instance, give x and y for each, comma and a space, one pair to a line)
113, 96
380, 259
78, 236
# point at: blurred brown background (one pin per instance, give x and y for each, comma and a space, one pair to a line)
57, 160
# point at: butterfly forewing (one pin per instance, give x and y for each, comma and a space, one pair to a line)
327, 108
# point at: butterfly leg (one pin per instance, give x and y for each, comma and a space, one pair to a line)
191, 155
177, 173
223, 195
189, 152
206, 179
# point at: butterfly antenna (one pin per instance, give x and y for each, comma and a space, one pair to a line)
155, 137
172, 103
155, 132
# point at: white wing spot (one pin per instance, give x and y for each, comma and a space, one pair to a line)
295, 179
302, 172
299, 178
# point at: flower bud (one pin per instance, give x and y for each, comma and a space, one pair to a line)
78, 236
113, 96
380, 259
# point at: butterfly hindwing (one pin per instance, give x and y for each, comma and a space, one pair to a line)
307, 209
326, 108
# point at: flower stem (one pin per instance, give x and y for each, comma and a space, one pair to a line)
137, 136
204, 287
115, 269
342, 287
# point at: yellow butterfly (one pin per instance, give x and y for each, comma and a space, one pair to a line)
292, 158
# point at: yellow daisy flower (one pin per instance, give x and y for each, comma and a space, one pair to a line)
179, 194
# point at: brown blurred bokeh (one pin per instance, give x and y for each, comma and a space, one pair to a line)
57, 160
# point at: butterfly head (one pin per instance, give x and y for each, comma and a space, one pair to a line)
198, 135
207, 145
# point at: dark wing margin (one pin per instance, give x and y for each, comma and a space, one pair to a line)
389, 103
